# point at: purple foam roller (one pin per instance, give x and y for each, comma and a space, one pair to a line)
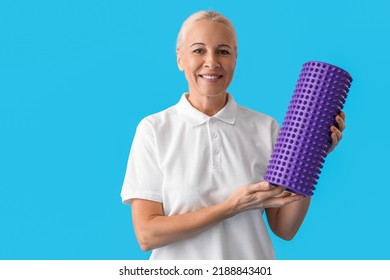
304, 139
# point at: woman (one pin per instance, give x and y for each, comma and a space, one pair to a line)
195, 171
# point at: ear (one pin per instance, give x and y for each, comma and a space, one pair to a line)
179, 60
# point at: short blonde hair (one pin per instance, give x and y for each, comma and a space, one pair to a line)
203, 15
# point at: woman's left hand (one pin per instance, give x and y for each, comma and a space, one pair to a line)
336, 132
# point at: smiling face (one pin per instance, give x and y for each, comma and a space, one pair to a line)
208, 58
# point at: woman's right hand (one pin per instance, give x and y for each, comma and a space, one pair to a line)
259, 196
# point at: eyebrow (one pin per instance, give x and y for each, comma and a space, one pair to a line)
203, 44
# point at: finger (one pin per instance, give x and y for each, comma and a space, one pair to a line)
278, 202
262, 186
335, 141
336, 131
284, 194
340, 122
270, 193
342, 114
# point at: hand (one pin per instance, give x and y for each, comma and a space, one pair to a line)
260, 195
336, 133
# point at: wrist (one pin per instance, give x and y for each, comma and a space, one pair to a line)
229, 208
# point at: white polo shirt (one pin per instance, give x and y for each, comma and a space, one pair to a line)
187, 160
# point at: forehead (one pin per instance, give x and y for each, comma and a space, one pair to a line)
208, 32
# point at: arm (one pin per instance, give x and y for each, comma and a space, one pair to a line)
286, 221
154, 230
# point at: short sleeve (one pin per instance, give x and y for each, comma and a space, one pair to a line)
143, 178
275, 132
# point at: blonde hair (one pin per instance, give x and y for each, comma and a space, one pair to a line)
203, 15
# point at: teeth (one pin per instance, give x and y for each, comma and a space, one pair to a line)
210, 77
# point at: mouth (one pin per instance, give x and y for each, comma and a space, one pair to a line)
211, 77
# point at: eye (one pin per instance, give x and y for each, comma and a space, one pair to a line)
199, 51
223, 52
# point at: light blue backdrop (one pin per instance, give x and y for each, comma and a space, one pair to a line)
77, 76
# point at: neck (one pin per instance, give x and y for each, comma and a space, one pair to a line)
209, 105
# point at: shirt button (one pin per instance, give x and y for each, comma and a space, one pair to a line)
216, 151
214, 134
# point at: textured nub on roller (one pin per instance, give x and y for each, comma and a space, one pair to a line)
304, 138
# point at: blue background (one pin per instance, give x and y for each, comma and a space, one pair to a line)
76, 77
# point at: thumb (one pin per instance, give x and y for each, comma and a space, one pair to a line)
261, 186
265, 186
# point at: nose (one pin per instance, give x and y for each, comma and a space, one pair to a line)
211, 61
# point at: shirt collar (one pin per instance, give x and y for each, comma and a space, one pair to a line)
195, 117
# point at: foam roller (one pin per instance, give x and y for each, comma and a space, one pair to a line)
304, 138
